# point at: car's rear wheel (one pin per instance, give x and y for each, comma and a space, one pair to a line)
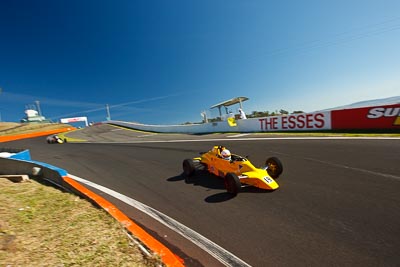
274, 167
188, 168
232, 183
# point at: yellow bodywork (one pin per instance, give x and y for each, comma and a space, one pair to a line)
242, 167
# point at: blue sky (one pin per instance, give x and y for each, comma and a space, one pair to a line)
163, 62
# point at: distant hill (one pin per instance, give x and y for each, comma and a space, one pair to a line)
368, 103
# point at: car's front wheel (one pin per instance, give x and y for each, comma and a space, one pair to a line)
188, 168
274, 167
232, 183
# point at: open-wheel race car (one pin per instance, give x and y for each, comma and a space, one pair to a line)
237, 171
55, 139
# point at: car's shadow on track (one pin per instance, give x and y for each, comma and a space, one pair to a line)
210, 181
203, 179
219, 197
224, 196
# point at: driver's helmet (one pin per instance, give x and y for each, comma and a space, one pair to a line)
226, 154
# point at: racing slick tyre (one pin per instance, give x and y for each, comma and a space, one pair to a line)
274, 167
232, 183
188, 169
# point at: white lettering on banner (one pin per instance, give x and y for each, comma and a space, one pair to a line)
294, 122
376, 113
76, 119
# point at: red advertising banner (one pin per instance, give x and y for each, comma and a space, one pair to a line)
376, 117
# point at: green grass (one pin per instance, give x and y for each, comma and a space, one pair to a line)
43, 226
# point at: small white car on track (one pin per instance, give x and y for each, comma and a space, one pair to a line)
55, 139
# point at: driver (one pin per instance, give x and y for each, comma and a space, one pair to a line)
226, 154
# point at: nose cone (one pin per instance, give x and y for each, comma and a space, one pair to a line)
268, 183
261, 179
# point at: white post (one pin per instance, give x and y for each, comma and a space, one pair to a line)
38, 107
108, 112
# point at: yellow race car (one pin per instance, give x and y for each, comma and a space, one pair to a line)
55, 139
237, 171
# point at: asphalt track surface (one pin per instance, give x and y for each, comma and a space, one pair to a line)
338, 203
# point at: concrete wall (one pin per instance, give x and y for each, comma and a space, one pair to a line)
385, 117
21, 163
295, 122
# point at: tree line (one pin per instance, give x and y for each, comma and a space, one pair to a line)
258, 114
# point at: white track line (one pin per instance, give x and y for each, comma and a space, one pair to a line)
237, 135
247, 139
224, 256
